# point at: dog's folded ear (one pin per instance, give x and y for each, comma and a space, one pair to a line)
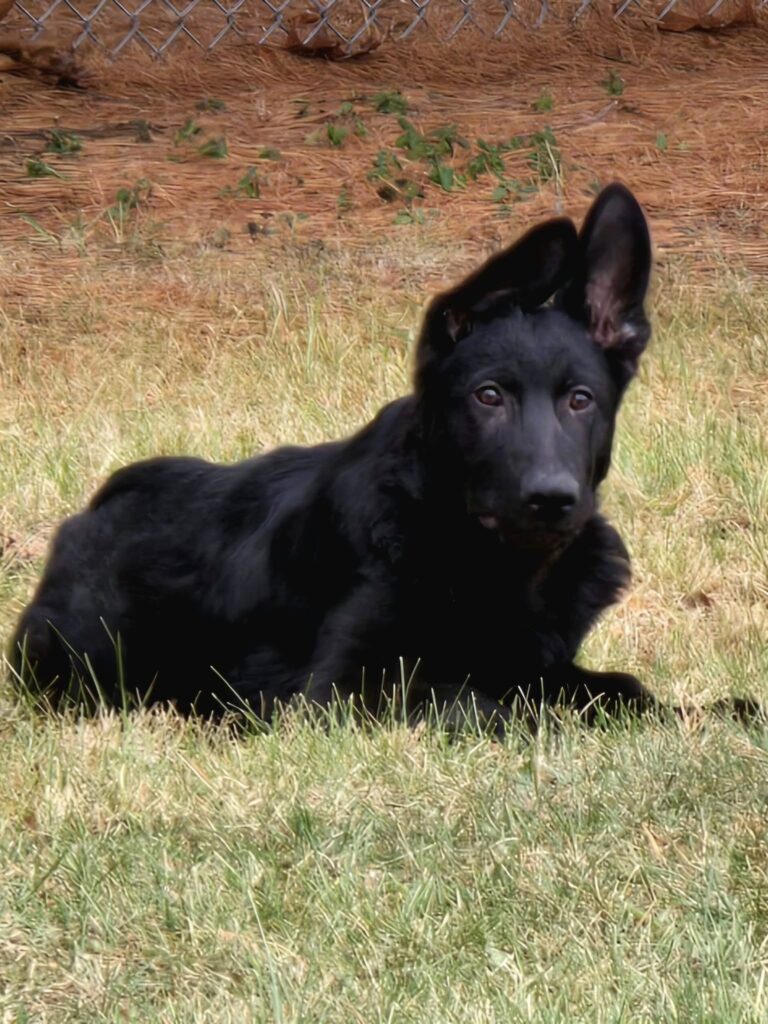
613, 269
525, 275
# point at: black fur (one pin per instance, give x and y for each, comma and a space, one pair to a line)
454, 542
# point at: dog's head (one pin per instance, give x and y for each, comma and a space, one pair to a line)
519, 399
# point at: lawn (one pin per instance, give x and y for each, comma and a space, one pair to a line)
155, 869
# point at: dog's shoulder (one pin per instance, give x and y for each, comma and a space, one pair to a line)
375, 486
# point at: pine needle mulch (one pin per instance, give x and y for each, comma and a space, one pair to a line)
228, 149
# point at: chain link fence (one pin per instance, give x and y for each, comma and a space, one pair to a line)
334, 28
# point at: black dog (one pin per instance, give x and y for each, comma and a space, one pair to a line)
453, 543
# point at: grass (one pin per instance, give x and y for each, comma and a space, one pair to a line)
156, 870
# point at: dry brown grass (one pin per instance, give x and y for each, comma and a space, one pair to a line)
688, 133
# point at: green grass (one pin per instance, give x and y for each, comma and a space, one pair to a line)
156, 870
153, 871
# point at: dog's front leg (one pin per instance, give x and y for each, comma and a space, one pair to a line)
347, 662
593, 694
457, 709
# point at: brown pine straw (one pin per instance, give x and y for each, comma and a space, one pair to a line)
689, 134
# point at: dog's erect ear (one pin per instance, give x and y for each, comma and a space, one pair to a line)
608, 289
524, 275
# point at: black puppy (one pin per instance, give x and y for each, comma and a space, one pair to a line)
453, 543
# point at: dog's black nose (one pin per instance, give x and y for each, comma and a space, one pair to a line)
551, 497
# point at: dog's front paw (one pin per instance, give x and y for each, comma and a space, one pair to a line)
740, 709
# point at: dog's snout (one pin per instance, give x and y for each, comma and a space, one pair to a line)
551, 497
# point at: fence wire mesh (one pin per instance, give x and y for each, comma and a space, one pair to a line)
335, 28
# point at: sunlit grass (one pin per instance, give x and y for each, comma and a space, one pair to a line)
154, 870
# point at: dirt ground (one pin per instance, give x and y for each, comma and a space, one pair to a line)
227, 149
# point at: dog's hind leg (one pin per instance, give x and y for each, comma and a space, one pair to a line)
60, 660
43, 664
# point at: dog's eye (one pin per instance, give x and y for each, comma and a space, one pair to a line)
580, 399
489, 395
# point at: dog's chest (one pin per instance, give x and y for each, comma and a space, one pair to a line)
467, 608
